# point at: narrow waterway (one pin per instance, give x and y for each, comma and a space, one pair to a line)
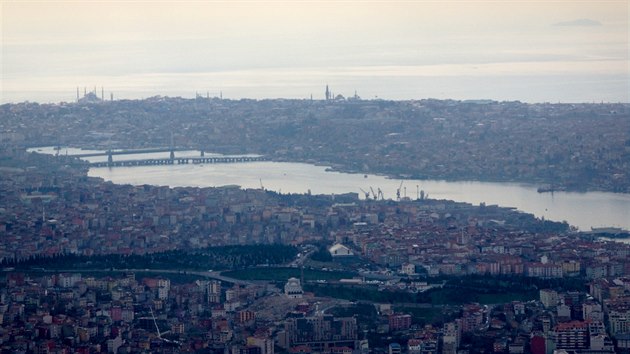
584, 210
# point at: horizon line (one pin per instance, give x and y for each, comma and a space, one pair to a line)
345, 99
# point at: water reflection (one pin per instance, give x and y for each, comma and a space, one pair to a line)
584, 210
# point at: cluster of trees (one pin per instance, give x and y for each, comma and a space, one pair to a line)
322, 254
461, 290
224, 257
281, 274
360, 292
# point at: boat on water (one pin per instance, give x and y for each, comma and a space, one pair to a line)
550, 188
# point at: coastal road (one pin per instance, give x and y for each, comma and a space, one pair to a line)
212, 275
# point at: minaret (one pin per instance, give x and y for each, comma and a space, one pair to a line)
111, 96
102, 94
172, 155
77, 93
327, 93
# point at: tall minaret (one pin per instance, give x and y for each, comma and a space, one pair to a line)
172, 155
102, 94
77, 93
327, 93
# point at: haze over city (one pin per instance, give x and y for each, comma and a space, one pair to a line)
324, 177
532, 51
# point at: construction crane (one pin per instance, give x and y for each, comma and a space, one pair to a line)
157, 329
367, 194
159, 334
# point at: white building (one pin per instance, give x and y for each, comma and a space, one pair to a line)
408, 268
548, 297
293, 289
339, 250
66, 280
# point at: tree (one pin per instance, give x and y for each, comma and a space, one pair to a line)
322, 255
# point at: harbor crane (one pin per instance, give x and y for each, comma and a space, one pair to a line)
398, 190
367, 194
374, 194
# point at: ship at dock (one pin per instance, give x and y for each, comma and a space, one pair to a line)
610, 232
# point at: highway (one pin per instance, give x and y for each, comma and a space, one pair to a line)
212, 275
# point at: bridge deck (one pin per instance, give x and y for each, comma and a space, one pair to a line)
129, 152
178, 161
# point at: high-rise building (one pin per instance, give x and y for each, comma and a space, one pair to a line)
321, 331
451, 337
265, 344
571, 335
211, 289
214, 291
472, 317
398, 321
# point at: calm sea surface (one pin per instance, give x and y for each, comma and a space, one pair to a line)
584, 210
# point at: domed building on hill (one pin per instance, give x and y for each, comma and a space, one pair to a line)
293, 289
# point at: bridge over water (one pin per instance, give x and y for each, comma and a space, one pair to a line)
131, 151
178, 161
156, 161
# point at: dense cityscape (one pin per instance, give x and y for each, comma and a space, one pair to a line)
89, 266
556, 146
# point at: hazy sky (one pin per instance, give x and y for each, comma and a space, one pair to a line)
570, 51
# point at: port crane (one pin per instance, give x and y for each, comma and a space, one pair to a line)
367, 194
398, 190
374, 194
